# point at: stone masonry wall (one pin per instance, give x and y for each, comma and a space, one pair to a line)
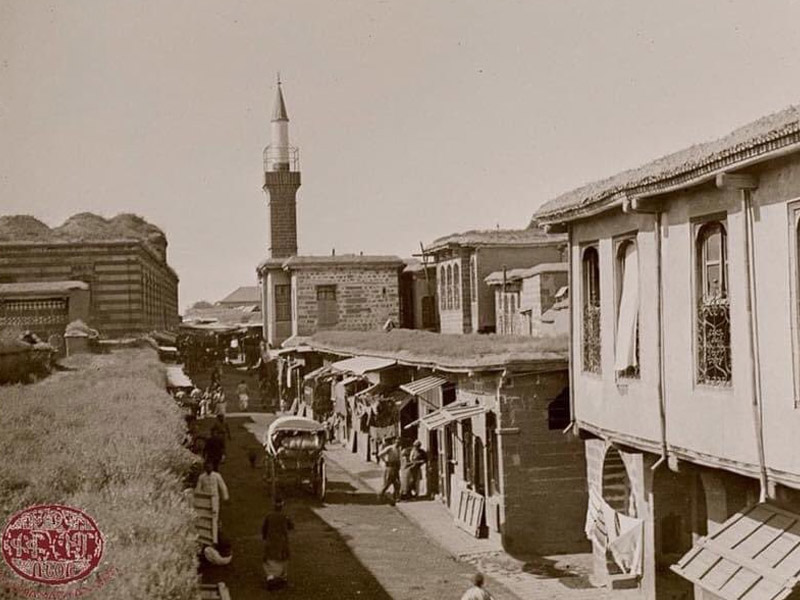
366, 296
544, 470
281, 188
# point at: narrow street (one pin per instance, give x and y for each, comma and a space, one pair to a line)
349, 547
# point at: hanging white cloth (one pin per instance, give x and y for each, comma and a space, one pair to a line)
626, 547
628, 311
592, 514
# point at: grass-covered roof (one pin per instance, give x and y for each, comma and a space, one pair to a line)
469, 351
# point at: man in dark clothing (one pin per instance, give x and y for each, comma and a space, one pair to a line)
221, 428
275, 534
214, 449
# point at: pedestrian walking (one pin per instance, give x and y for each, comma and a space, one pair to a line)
275, 535
418, 459
211, 482
220, 403
244, 396
214, 450
476, 592
221, 428
390, 454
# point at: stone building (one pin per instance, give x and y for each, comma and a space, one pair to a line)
304, 294
522, 297
122, 260
464, 260
418, 308
490, 419
685, 364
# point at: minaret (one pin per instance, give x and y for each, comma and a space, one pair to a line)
281, 180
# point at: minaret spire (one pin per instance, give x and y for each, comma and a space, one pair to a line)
279, 108
281, 180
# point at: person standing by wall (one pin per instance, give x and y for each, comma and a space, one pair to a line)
418, 459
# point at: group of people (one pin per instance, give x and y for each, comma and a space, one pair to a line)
402, 468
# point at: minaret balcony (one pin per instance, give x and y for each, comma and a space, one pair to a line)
281, 158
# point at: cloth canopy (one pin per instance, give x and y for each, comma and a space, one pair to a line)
362, 364
754, 555
176, 378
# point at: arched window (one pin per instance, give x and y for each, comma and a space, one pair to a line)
473, 278
626, 352
442, 288
449, 286
590, 265
456, 286
713, 308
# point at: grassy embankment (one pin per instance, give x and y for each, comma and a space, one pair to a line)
106, 438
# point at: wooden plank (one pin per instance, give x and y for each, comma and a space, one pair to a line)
745, 561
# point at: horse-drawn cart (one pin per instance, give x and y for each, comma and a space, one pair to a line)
294, 447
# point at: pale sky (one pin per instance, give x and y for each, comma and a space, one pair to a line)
414, 118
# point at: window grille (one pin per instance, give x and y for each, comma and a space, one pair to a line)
713, 307
591, 311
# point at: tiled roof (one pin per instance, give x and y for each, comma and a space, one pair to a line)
414, 265
246, 294
496, 277
497, 237
41, 287
759, 139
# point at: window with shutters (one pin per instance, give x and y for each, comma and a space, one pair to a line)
283, 302
327, 306
626, 351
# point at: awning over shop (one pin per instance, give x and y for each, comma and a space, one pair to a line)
399, 396
449, 414
317, 373
362, 364
755, 555
176, 378
426, 384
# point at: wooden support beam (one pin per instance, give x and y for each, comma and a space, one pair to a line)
736, 181
555, 228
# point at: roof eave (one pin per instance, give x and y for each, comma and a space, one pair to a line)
659, 187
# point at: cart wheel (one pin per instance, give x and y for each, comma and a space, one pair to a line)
321, 480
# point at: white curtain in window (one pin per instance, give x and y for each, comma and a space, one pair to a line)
628, 311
